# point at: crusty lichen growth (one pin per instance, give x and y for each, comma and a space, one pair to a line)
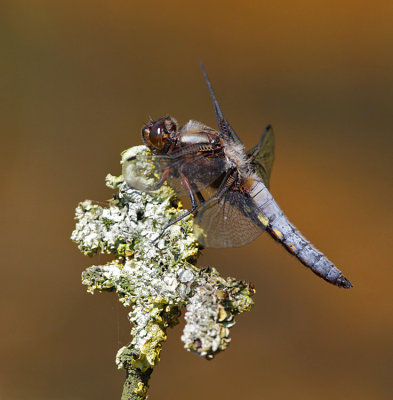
155, 273
211, 311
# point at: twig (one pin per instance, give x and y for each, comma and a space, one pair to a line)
157, 278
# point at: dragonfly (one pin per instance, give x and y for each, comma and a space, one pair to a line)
195, 159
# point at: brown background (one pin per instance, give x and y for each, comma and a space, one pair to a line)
79, 79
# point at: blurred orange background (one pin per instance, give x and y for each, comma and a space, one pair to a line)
78, 81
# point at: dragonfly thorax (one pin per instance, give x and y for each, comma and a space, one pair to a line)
236, 158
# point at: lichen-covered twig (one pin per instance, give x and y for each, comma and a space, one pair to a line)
156, 275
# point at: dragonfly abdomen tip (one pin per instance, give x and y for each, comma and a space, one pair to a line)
343, 282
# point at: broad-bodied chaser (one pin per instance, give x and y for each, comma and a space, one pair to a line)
195, 158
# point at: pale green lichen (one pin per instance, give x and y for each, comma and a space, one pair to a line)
155, 273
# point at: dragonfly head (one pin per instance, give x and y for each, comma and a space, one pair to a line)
159, 135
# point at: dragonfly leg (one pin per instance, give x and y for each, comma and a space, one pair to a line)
225, 185
198, 194
191, 189
194, 203
163, 178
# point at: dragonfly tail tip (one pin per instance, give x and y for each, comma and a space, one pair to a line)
343, 282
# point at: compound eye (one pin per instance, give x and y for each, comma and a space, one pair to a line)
158, 134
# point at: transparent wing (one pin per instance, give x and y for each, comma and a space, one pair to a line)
143, 171
262, 155
223, 124
232, 220
147, 172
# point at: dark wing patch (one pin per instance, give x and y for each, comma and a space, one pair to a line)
262, 155
148, 172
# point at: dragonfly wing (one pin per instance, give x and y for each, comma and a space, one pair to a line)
147, 172
262, 155
143, 171
222, 122
231, 220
